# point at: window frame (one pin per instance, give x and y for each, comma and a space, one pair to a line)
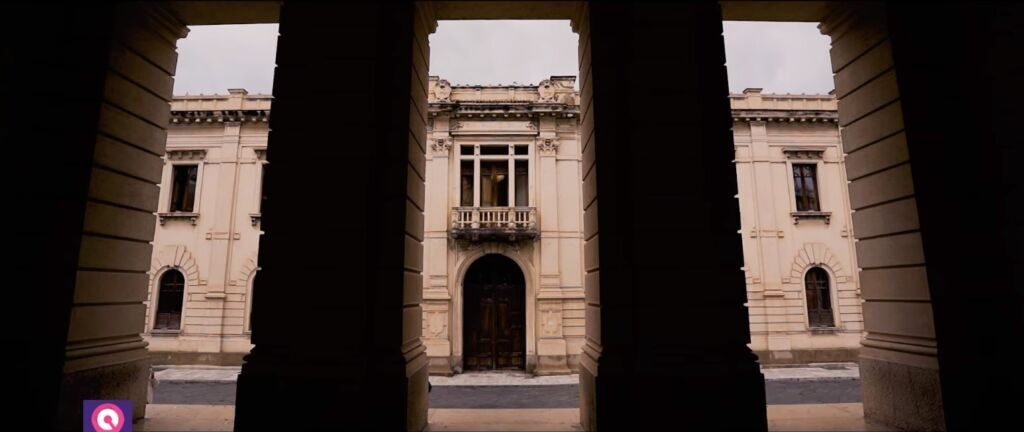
182, 157
511, 157
154, 308
832, 290
817, 185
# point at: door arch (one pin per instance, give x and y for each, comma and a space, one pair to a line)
494, 314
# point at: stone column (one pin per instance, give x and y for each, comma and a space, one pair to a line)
437, 288
899, 367
666, 325
934, 185
91, 87
337, 338
551, 348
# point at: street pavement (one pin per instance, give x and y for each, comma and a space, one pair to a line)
811, 384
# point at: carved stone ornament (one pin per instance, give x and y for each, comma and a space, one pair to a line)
437, 324
804, 153
441, 145
551, 325
546, 90
443, 91
547, 145
455, 125
186, 155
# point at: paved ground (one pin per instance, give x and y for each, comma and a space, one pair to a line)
816, 384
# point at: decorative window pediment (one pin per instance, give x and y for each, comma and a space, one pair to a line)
186, 155
803, 153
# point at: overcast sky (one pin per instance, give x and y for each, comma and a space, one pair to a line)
778, 57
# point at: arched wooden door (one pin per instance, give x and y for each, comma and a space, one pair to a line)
494, 315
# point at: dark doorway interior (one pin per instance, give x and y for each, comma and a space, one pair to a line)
495, 315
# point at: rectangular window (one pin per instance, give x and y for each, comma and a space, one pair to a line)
466, 168
805, 183
183, 188
494, 183
263, 190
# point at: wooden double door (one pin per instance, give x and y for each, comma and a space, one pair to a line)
494, 315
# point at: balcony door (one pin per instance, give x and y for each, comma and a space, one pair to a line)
494, 291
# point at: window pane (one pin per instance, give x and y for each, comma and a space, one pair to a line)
494, 183
811, 187
798, 184
169, 302
522, 150
522, 183
819, 301
466, 150
263, 190
183, 188
466, 168
494, 149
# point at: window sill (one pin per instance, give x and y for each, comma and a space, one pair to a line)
177, 215
824, 330
165, 333
797, 215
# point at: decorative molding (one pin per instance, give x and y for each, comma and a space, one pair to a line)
248, 270
261, 154
546, 91
441, 145
177, 257
797, 215
443, 91
186, 155
815, 254
804, 153
436, 324
454, 125
164, 216
255, 218
194, 117
547, 145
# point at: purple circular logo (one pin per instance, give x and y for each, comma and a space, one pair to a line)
107, 417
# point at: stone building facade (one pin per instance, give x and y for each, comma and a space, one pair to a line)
503, 186
803, 292
503, 247
204, 249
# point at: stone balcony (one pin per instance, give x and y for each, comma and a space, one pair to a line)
493, 223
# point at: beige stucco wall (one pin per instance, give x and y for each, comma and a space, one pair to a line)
227, 136
771, 132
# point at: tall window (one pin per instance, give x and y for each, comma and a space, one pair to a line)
183, 188
169, 301
494, 175
263, 189
805, 181
819, 301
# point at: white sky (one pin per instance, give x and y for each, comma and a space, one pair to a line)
778, 57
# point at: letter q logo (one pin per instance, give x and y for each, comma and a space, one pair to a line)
107, 416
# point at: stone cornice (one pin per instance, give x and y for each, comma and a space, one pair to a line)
785, 116
197, 117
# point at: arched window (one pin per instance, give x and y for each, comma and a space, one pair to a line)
819, 301
169, 301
